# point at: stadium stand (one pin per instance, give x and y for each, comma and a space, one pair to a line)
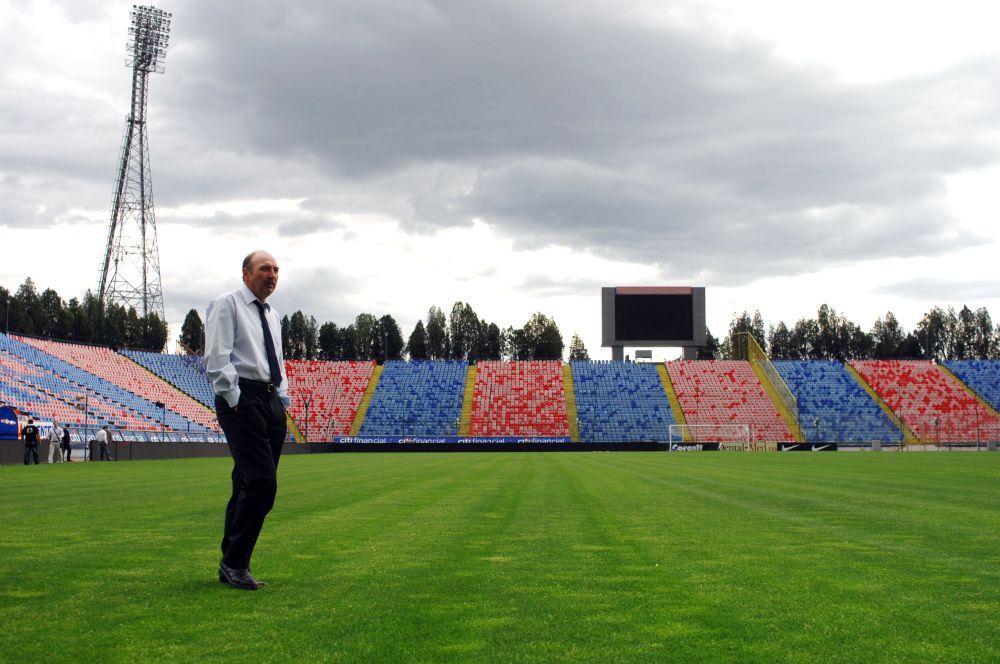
725, 392
983, 376
63, 385
180, 371
119, 370
929, 401
44, 395
418, 398
833, 407
336, 389
615, 401
525, 398
620, 401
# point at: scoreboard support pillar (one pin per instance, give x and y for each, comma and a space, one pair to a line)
618, 353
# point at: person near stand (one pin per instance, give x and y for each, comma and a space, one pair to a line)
29, 434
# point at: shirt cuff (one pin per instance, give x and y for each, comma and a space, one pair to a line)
232, 397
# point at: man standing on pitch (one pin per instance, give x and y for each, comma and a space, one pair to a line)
244, 363
30, 435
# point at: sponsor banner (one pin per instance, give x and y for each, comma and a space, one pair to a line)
8, 423
695, 447
431, 440
807, 447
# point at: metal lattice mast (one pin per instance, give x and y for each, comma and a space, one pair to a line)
130, 273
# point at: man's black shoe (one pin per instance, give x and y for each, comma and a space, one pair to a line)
239, 578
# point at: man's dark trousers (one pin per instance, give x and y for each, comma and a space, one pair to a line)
30, 450
255, 431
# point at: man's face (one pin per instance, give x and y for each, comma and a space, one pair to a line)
261, 277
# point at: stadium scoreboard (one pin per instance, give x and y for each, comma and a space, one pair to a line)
658, 316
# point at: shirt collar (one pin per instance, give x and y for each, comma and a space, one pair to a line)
249, 297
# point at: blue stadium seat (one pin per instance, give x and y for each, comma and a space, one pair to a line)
833, 407
983, 376
185, 372
418, 398
620, 402
109, 403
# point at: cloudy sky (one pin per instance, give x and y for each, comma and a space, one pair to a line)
518, 155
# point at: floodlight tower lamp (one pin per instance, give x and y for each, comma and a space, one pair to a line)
130, 274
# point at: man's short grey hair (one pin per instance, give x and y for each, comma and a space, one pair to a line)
249, 258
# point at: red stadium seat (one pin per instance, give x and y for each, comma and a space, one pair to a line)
929, 401
716, 392
520, 398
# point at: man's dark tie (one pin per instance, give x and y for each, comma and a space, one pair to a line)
272, 356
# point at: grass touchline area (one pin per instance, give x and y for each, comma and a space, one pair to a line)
512, 557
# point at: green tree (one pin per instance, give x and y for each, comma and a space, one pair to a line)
416, 345
983, 344
24, 308
494, 343
155, 331
839, 338
92, 310
458, 332
437, 334
577, 351
779, 340
193, 333
544, 341
364, 335
515, 344
887, 337
911, 347
739, 324
965, 335
933, 333
135, 331
51, 319
861, 344
550, 344
81, 328
297, 334
710, 350
349, 343
805, 339
311, 339
286, 339
387, 343
116, 327
329, 341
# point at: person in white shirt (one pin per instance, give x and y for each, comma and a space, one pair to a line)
55, 444
103, 438
245, 365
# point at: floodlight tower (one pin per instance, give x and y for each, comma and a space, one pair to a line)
130, 273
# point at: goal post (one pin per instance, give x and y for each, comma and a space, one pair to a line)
735, 435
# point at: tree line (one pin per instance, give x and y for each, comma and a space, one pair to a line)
460, 335
942, 334
86, 321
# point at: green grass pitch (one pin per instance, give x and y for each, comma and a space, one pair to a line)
512, 557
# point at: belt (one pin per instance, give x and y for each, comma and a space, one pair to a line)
259, 385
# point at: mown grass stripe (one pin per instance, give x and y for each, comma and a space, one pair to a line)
500, 557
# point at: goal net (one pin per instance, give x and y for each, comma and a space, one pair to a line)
730, 436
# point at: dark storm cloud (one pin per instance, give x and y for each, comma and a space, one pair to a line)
221, 221
639, 144
308, 226
558, 124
